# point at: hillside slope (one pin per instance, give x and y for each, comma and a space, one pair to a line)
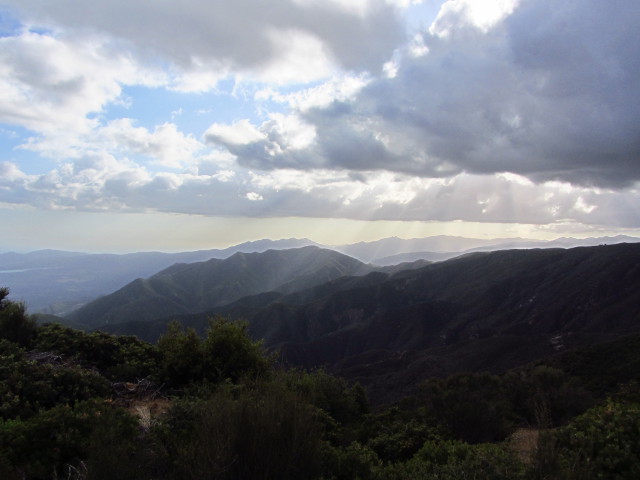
196, 287
481, 312
57, 282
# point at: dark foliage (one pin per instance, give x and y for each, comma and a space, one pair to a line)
228, 413
226, 353
122, 357
483, 312
15, 326
265, 431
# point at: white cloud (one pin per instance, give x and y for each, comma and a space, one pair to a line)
302, 58
105, 183
241, 132
505, 111
481, 14
49, 84
9, 173
165, 146
254, 197
288, 132
236, 37
338, 88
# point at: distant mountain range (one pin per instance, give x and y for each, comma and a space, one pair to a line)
58, 282
390, 251
483, 311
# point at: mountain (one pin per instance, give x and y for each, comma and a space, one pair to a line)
57, 282
413, 257
196, 287
486, 311
386, 247
441, 248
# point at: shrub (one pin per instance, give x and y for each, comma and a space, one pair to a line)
229, 353
116, 357
15, 325
27, 387
453, 460
604, 442
266, 432
92, 436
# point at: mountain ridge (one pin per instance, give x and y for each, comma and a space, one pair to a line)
485, 311
58, 282
194, 287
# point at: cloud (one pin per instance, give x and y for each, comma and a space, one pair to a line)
248, 36
526, 112
57, 88
239, 133
481, 14
103, 183
165, 146
540, 89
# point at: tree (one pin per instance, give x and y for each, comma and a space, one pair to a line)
604, 442
229, 353
15, 325
181, 356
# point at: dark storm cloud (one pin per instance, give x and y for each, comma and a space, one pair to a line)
551, 93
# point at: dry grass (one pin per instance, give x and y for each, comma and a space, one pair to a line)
147, 410
524, 443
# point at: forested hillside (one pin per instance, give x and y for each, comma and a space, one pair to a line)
481, 312
200, 286
91, 406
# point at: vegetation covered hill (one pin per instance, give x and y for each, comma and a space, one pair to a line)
201, 286
58, 282
91, 406
481, 312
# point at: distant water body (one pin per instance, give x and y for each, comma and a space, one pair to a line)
22, 270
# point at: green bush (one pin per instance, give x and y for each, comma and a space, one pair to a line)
474, 407
344, 403
116, 357
453, 460
229, 353
26, 387
226, 353
602, 443
263, 432
15, 325
546, 396
352, 462
181, 356
93, 437
400, 440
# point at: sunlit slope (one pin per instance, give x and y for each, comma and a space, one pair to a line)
196, 287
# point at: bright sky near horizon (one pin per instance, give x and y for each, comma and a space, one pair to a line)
136, 125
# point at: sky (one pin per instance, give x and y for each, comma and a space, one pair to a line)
157, 125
